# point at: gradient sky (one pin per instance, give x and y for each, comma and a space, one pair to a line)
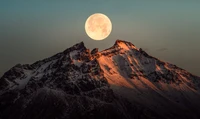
168, 30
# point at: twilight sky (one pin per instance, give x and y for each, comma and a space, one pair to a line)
168, 30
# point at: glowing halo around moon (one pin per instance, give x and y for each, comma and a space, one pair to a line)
98, 26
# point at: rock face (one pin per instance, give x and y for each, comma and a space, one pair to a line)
121, 82
95, 50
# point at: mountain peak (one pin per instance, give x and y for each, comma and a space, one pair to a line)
78, 46
124, 44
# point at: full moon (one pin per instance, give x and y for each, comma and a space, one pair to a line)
98, 26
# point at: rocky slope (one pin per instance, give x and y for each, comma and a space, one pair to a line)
121, 82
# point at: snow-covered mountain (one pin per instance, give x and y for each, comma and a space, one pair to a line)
121, 82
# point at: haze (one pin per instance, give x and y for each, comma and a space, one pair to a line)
31, 31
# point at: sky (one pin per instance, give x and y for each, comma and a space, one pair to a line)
34, 30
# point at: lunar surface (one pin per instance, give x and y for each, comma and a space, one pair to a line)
98, 26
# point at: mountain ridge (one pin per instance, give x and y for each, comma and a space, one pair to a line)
121, 77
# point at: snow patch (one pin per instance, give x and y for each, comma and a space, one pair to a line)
77, 63
73, 54
22, 82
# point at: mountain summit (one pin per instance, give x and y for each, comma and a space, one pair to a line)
121, 82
